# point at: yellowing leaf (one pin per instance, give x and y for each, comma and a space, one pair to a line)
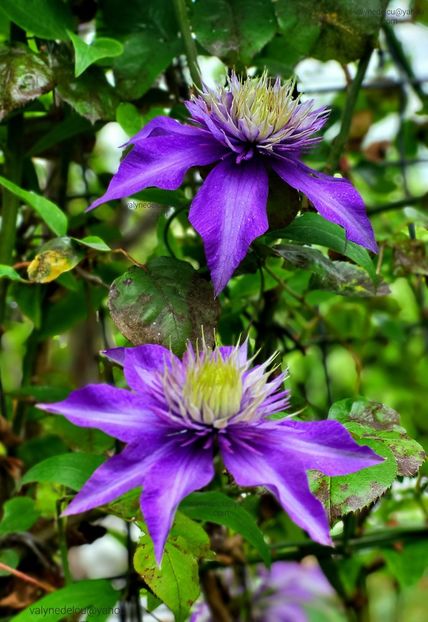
54, 258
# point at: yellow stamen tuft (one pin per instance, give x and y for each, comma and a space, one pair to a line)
262, 103
215, 388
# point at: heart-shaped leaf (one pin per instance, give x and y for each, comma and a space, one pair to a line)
87, 55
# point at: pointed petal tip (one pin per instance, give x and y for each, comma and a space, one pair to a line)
94, 204
372, 457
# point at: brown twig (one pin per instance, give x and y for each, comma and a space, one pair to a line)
25, 577
128, 256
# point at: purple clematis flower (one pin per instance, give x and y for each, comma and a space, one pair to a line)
284, 593
248, 128
179, 411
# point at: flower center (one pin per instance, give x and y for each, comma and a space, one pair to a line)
215, 388
261, 104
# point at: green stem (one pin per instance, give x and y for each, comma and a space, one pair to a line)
399, 57
9, 214
189, 43
379, 209
63, 550
351, 100
298, 550
13, 156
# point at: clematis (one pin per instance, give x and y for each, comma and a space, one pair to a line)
247, 129
284, 593
179, 413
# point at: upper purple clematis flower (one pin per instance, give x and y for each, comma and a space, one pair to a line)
179, 411
284, 593
249, 128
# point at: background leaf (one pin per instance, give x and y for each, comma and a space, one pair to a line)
98, 594
19, 514
234, 28
176, 583
53, 259
86, 55
371, 420
165, 303
71, 470
24, 76
7, 272
216, 507
50, 213
48, 19
349, 493
312, 228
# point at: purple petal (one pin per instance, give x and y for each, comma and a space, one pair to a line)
117, 355
334, 198
112, 479
253, 460
229, 212
163, 126
161, 161
117, 412
242, 357
141, 361
286, 612
326, 446
178, 470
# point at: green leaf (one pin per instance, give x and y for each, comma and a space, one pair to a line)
340, 277
50, 213
120, 18
23, 76
176, 583
90, 94
338, 29
314, 229
62, 603
372, 420
53, 259
410, 257
95, 242
87, 55
216, 507
47, 19
72, 470
197, 539
138, 67
233, 28
78, 439
7, 272
127, 506
19, 514
129, 118
29, 300
63, 313
10, 557
71, 126
176, 198
165, 303
41, 393
349, 493
407, 563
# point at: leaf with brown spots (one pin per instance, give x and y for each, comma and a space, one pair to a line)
350, 493
372, 420
166, 303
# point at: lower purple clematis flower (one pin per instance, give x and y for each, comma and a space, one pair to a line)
285, 593
179, 411
248, 128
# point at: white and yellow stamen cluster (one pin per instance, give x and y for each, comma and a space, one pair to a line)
215, 390
260, 110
